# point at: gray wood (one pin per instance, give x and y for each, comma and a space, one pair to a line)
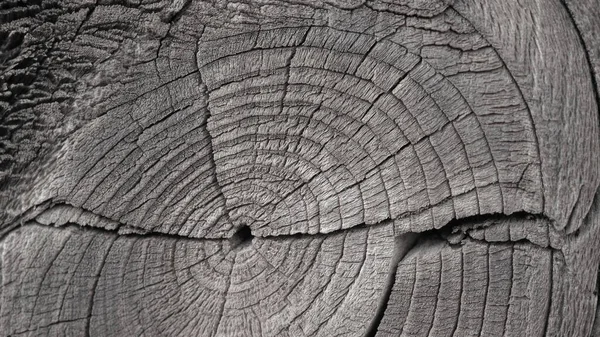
292, 168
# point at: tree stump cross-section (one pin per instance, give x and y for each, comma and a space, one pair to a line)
299, 168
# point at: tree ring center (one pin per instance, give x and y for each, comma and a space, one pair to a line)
242, 237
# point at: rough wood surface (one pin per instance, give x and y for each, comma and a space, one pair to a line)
299, 168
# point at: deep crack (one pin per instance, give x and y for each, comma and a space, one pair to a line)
402, 244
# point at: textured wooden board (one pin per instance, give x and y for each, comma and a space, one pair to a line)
292, 168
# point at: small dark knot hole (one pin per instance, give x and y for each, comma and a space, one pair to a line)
242, 237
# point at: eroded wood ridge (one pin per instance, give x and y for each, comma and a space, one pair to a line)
288, 168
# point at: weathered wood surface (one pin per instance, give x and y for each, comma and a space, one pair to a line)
299, 168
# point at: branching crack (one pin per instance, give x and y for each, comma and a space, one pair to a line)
212, 150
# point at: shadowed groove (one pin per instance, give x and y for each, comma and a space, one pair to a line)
403, 243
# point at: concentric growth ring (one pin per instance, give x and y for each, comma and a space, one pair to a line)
318, 129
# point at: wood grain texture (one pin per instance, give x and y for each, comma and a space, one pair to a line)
101, 283
299, 168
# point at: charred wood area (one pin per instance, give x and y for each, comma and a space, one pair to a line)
299, 168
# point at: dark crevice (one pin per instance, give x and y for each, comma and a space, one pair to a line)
31, 217
402, 245
453, 229
118, 232
458, 230
407, 241
242, 237
549, 295
494, 218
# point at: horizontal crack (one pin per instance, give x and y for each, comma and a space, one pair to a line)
39, 217
492, 228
